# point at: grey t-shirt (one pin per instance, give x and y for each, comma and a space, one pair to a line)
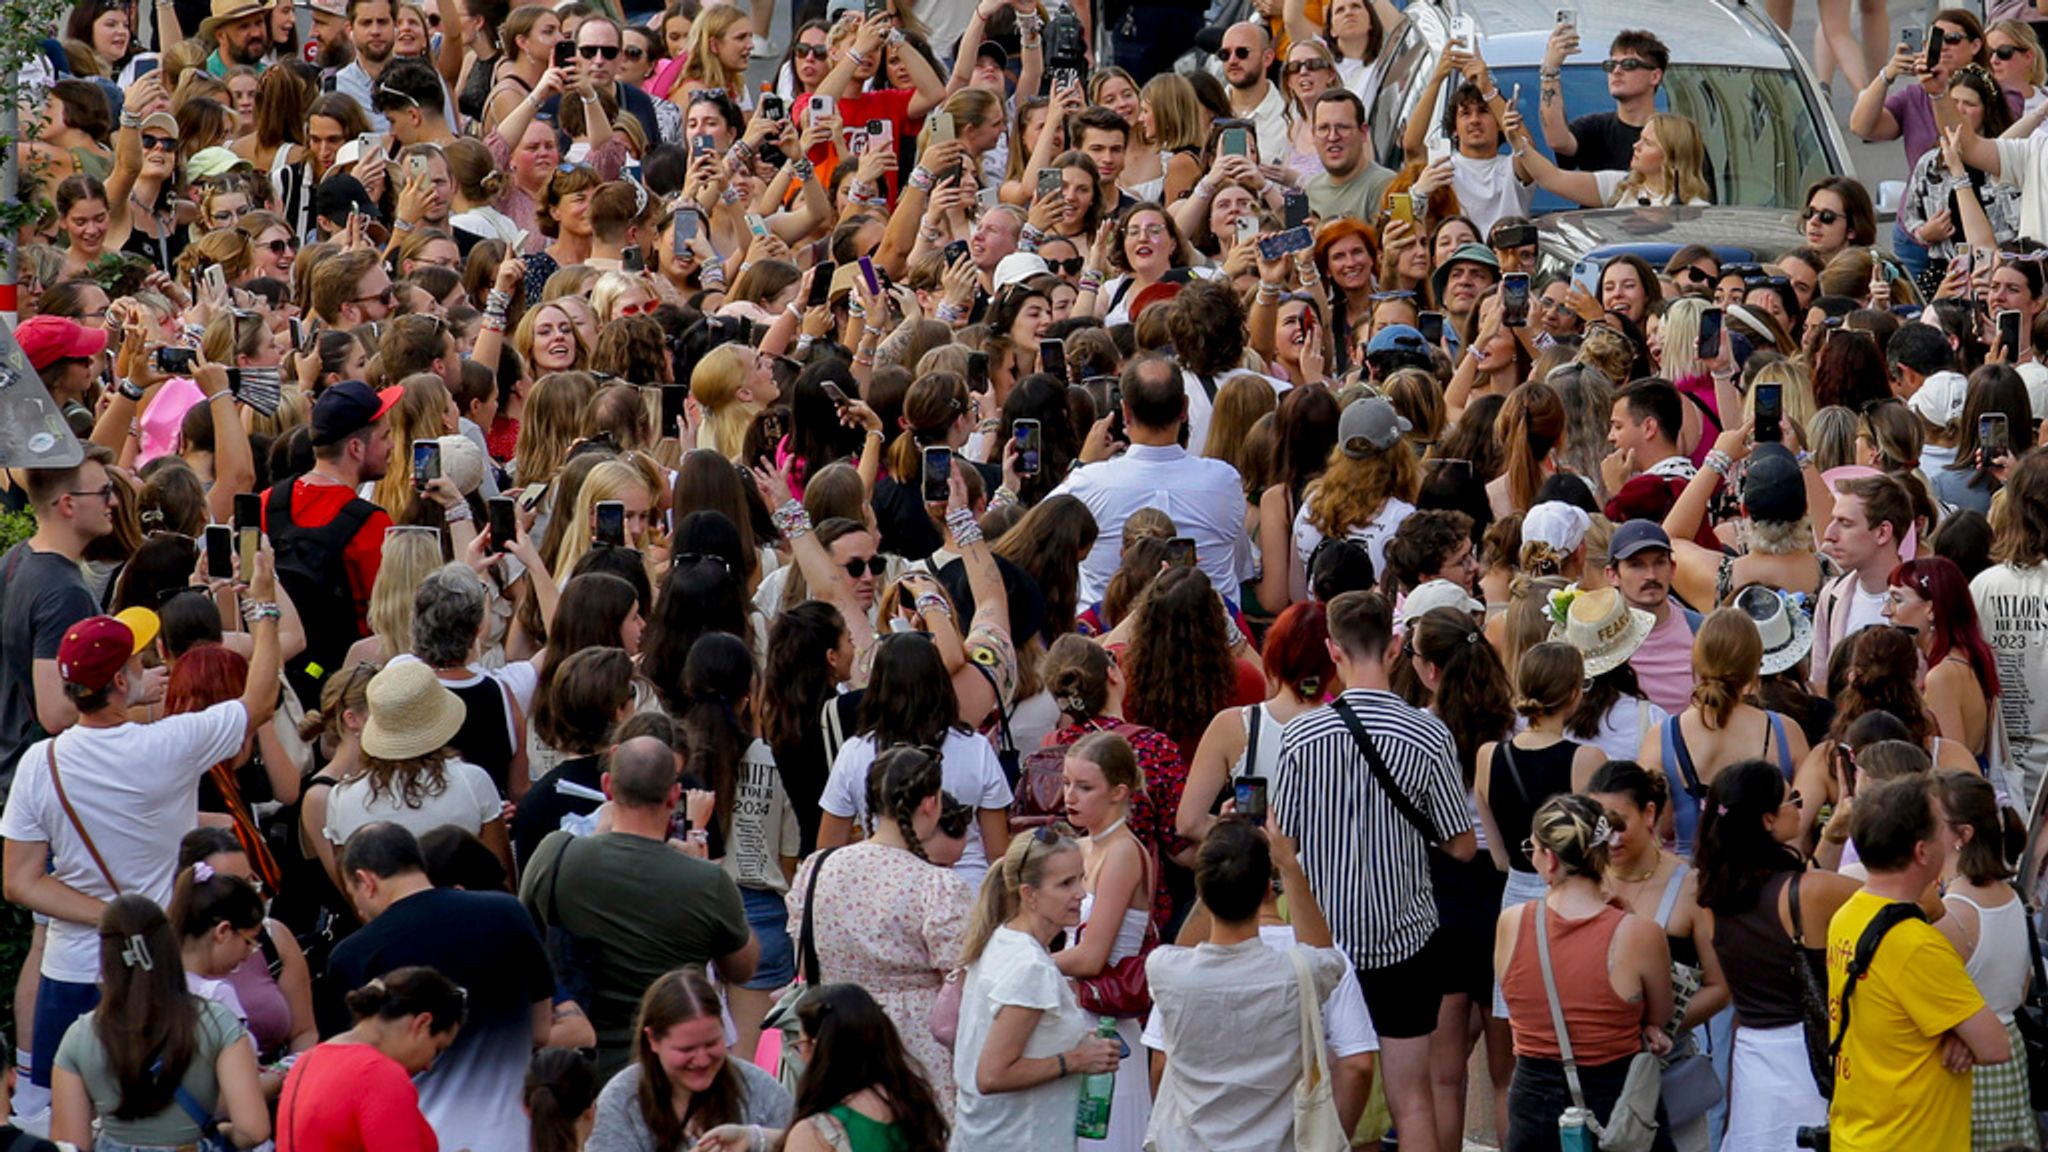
620, 1128
41, 594
82, 1055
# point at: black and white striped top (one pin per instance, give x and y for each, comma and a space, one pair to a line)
1366, 864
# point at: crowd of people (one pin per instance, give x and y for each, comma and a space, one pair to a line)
967, 587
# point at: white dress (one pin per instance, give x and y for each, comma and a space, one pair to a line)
1131, 1108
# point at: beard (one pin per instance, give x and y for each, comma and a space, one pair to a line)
247, 52
377, 57
335, 54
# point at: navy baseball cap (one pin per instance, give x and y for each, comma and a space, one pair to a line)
1635, 536
347, 408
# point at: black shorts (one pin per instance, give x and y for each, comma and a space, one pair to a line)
1403, 998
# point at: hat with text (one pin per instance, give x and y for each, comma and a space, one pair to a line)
1605, 629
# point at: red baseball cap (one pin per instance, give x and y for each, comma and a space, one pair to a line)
48, 339
96, 648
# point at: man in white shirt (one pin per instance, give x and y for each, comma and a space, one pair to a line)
98, 811
1205, 498
1247, 56
1872, 516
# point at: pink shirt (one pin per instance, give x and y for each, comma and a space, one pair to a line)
164, 416
1664, 663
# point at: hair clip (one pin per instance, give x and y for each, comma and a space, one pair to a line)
202, 872
1720, 809
136, 954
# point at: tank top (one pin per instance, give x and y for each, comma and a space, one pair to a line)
867, 1134
255, 983
1604, 1027
1261, 755
485, 738
1757, 954
1519, 780
1680, 770
1999, 963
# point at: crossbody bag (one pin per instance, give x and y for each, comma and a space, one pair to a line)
77, 825
1383, 777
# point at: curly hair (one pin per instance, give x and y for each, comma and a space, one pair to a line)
1422, 544
1178, 663
1352, 490
1884, 664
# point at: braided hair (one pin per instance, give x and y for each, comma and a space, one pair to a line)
900, 780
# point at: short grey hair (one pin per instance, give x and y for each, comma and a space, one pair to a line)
447, 615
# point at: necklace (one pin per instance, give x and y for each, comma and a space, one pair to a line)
1656, 862
1098, 836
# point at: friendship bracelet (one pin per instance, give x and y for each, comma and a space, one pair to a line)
921, 178
792, 520
965, 528
1718, 461
931, 603
254, 610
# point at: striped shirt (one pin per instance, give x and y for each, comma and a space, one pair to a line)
1366, 864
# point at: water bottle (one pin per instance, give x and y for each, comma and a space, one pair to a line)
1091, 1116
1574, 1133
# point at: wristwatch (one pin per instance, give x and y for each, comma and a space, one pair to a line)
128, 388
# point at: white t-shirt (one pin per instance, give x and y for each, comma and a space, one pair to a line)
2024, 164
135, 788
1610, 183
1016, 970
1866, 610
1488, 188
469, 802
968, 769
1347, 1026
1374, 533
2011, 603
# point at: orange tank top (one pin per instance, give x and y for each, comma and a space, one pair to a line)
1604, 1027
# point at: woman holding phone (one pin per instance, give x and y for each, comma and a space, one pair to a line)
1667, 166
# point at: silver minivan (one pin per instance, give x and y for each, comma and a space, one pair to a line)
1769, 133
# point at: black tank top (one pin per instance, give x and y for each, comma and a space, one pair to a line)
1757, 953
485, 738
1515, 792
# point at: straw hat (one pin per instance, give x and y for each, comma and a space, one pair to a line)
411, 714
1787, 633
1602, 626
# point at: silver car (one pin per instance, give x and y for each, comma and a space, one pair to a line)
1768, 132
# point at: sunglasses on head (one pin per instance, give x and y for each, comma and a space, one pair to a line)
1625, 64
593, 51
872, 565
1826, 216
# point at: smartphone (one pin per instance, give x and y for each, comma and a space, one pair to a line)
1247, 227
821, 106
216, 279
821, 285
1052, 359
756, 225
426, 462
771, 424
1294, 207
867, 273
2009, 327
702, 143
877, 7
685, 231
1514, 300
1180, 552
977, 372
611, 524
878, 133
1030, 444
1462, 29
837, 394
1050, 181
1431, 325
1515, 236
1933, 52
672, 397
565, 52
1251, 799
298, 335
1065, 78
630, 259
220, 551
174, 361
1439, 150
1709, 346
249, 510
1914, 39
416, 168
1401, 207
1283, 244
1567, 16
504, 524
942, 127
247, 542
1770, 414
770, 105
1235, 141
955, 251
938, 474
1994, 438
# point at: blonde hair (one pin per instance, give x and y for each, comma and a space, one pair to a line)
1796, 386
1002, 889
1527, 620
715, 383
418, 415
1684, 160
1682, 337
2021, 33
1239, 405
699, 62
607, 481
609, 289
1176, 113
522, 336
1727, 653
553, 420
408, 559
1352, 491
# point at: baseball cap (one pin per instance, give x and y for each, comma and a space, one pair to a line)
347, 408
1397, 338
96, 648
1368, 426
990, 50
1635, 536
834, 9
48, 339
1940, 398
208, 163
1432, 594
1561, 526
1018, 267
160, 124
1773, 491
341, 194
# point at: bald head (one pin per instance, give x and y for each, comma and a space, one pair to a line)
1247, 53
642, 774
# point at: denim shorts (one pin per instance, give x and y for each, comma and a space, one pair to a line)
768, 916
58, 1004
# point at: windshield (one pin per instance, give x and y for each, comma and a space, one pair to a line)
1762, 142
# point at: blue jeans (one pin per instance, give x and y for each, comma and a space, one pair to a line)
58, 1005
768, 916
1911, 253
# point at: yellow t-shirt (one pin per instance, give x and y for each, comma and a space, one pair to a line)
1891, 1091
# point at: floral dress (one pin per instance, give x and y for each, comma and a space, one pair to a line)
892, 924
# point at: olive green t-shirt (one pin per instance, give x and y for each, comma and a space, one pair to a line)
82, 1055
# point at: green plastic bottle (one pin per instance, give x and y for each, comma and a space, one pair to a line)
1091, 1116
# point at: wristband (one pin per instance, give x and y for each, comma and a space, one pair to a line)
859, 60
458, 514
129, 388
255, 610
921, 178
130, 120
1060, 1056
792, 521
1003, 498
802, 170
1091, 280
402, 225
965, 528
803, 343
933, 604
223, 394
1718, 461
497, 303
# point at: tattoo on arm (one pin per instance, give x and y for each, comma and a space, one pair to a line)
1549, 95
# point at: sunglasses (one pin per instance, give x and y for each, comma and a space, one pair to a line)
2007, 51
810, 52
1395, 294
686, 559
280, 247
159, 143
384, 297
1949, 38
872, 565
1296, 67
1793, 799
1766, 282
1238, 53
1069, 267
1827, 216
1692, 274
634, 53
1626, 64
593, 51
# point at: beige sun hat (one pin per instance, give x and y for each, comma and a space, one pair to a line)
1602, 626
411, 714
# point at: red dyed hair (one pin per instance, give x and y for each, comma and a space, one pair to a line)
1338, 229
1296, 653
203, 677
1938, 581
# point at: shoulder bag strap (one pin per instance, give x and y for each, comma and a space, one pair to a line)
2038, 992
1784, 744
1792, 905
1540, 909
1507, 751
1672, 888
1002, 713
1382, 777
1254, 720
1314, 1067
1887, 918
555, 880
807, 941
78, 825
1674, 734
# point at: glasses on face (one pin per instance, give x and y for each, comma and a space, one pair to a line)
1296, 67
593, 51
1827, 216
152, 143
1068, 267
633, 309
632, 53
1238, 53
1792, 800
105, 492
1693, 275
1766, 281
1949, 38
811, 51
1625, 64
280, 247
871, 565
2007, 51
1145, 231
384, 297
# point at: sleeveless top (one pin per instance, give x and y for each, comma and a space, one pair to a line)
1757, 955
1519, 780
263, 1004
1261, 755
1603, 1026
1999, 964
862, 1133
1679, 769
485, 738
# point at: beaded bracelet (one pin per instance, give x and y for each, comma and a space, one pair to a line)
965, 528
949, 313
792, 521
255, 610
802, 170
1003, 498
498, 302
921, 178
1718, 461
1091, 280
458, 514
933, 604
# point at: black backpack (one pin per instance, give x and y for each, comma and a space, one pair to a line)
310, 569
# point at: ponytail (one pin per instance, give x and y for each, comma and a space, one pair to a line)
1001, 890
561, 1085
